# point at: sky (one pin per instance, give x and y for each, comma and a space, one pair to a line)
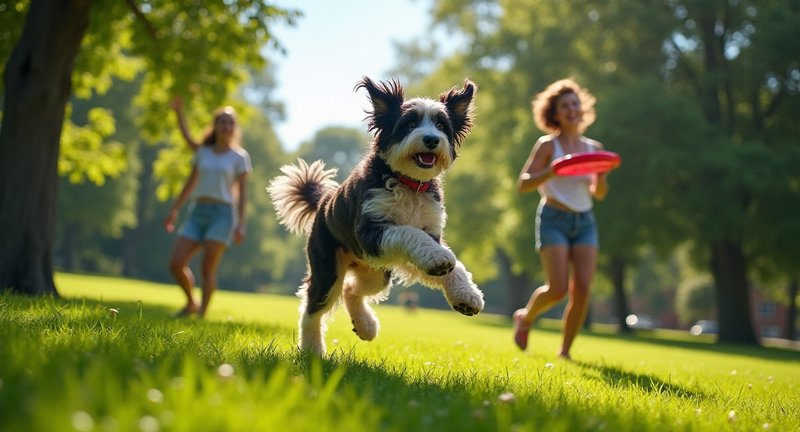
332, 46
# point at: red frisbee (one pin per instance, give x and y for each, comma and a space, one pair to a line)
586, 163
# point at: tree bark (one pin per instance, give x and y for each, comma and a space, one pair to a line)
616, 269
729, 268
38, 83
792, 312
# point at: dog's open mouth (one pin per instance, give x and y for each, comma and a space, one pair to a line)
425, 160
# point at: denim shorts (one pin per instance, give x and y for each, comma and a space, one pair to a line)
559, 227
209, 221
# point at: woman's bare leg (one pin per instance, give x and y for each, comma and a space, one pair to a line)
179, 267
584, 262
211, 259
555, 262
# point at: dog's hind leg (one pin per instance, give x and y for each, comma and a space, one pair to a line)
360, 284
459, 290
319, 295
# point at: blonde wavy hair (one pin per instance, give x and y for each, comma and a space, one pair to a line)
544, 105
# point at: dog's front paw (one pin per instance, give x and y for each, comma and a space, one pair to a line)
365, 327
468, 301
441, 263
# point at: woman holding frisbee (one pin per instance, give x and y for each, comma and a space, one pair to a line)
566, 232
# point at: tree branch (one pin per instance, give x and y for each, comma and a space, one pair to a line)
141, 17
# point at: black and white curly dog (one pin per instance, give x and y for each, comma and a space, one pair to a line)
384, 223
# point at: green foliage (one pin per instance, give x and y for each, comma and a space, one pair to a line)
109, 357
86, 153
202, 50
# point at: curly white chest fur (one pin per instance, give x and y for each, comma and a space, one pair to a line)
403, 206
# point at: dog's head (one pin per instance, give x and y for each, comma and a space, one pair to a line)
419, 137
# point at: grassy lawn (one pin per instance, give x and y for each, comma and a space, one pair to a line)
108, 357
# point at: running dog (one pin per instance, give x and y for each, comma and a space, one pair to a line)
384, 223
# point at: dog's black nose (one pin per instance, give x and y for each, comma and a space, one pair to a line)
430, 141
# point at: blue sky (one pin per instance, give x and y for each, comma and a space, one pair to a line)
329, 50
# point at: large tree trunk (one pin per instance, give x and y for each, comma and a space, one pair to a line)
792, 313
729, 267
38, 81
517, 283
616, 269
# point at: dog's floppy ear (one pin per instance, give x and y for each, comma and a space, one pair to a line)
386, 99
460, 108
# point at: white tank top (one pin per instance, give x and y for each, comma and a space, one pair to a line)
572, 191
217, 172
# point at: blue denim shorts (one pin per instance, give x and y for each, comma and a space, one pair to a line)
559, 227
209, 221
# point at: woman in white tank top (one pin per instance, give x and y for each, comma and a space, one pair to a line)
566, 232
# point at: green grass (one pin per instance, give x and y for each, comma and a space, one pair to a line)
74, 364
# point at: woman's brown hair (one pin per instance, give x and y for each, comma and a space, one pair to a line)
544, 105
210, 136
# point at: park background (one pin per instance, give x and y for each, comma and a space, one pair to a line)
699, 98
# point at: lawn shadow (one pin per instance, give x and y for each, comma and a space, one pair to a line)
650, 337
436, 400
614, 377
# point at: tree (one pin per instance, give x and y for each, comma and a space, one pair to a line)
202, 51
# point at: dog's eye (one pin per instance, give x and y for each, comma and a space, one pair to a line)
440, 126
411, 124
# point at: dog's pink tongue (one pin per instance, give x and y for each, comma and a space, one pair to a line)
428, 158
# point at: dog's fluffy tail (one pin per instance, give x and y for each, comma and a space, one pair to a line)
297, 193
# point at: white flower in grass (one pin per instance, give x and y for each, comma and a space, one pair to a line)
113, 312
149, 424
82, 421
154, 395
225, 371
507, 398
549, 365
335, 341
732, 416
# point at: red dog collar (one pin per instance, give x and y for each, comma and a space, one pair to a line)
415, 185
